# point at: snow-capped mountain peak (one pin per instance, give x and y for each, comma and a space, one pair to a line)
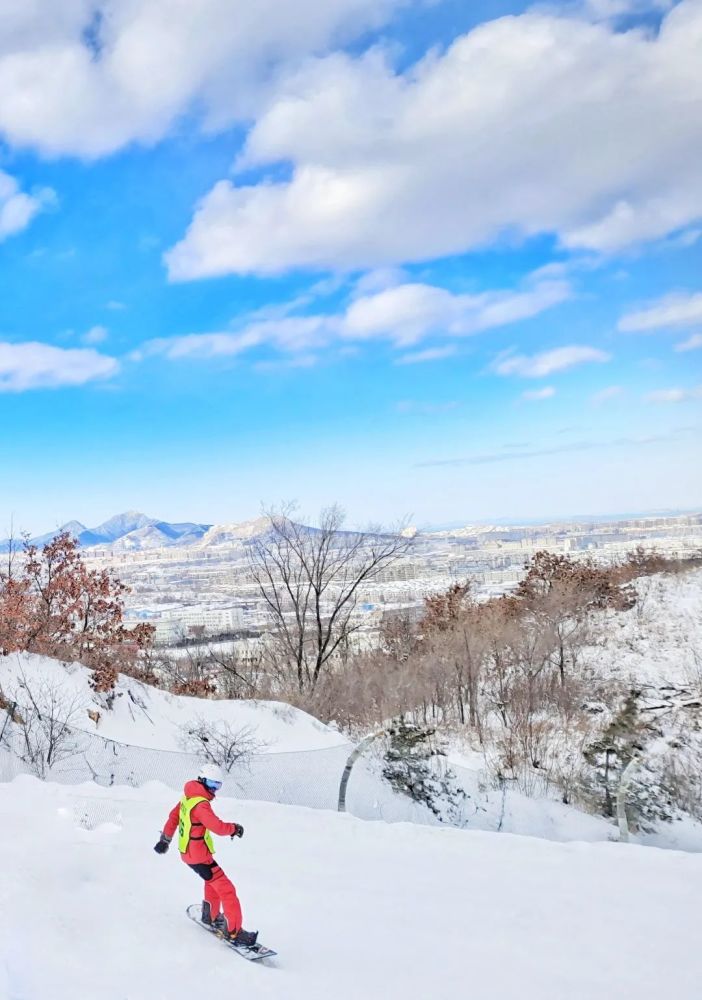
122, 524
73, 527
131, 530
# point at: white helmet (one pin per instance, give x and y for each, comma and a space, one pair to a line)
211, 774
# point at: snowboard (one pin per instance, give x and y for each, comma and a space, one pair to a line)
256, 953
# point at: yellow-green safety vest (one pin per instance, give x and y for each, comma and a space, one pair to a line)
185, 823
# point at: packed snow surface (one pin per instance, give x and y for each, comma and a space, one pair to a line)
354, 909
147, 717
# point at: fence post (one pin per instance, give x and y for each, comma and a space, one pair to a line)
353, 757
622, 793
9, 714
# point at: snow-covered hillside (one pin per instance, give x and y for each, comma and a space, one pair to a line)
660, 640
220, 534
298, 760
147, 717
658, 643
354, 909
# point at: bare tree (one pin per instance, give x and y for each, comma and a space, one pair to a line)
220, 742
43, 733
560, 595
186, 671
236, 676
311, 580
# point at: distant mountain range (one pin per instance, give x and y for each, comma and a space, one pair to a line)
135, 532
126, 532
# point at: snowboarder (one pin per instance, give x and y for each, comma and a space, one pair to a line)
195, 821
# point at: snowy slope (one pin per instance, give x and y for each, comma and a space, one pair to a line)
220, 534
148, 537
355, 910
660, 640
149, 720
147, 717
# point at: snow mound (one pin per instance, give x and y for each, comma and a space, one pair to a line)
354, 909
147, 717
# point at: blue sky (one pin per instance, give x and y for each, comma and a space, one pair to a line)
429, 259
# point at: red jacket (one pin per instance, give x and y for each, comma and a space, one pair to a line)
203, 818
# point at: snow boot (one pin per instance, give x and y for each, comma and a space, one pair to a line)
218, 924
246, 939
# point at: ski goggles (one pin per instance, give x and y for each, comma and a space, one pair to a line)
214, 786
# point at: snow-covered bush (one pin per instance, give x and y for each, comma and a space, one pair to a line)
410, 765
39, 723
220, 742
660, 726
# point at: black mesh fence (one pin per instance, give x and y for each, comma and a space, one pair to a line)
308, 778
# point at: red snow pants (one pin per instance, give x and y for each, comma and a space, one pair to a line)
220, 894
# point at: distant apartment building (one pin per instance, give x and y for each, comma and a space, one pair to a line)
175, 623
403, 570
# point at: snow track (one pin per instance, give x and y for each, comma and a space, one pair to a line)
355, 909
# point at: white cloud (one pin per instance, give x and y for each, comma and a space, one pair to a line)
684, 240
525, 451
612, 9
90, 76
527, 124
404, 315
604, 395
380, 279
535, 395
677, 309
290, 334
547, 362
96, 335
408, 313
283, 364
17, 208
33, 365
674, 395
428, 354
693, 343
